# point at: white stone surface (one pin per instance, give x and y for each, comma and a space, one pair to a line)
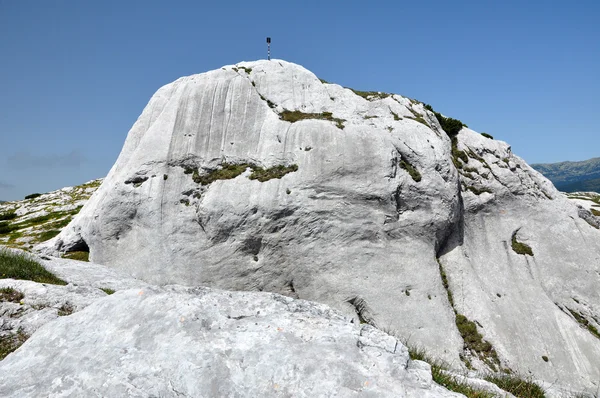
198, 342
350, 226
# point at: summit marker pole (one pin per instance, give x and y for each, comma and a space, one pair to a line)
269, 48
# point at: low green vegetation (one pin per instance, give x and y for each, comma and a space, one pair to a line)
417, 117
33, 196
262, 175
226, 172
247, 70
10, 294
107, 290
46, 235
294, 116
229, 171
584, 322
449, 125
396, 117
370, 95
77, 255
10, 342
520, 247
518, 386
595, 212
8, 216
474, 342
66, 309
21, 266
477, 191
414, 173
486, 135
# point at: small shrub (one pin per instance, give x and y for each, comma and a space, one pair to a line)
263, 175
449, 125
77, 255
8, 216
486, 135
247, 70
10, 294
396, 117
520, 247
544, 358
10, 342
33, 196
165, 176
107, 290
21, 266
517, 386
595, 212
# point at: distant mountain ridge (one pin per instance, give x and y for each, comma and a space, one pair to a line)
573, 176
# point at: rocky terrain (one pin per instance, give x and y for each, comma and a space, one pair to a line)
261, 177
573, 176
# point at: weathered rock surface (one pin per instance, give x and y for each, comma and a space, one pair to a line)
199, 342
354, 226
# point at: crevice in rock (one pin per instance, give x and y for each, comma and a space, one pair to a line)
363, 312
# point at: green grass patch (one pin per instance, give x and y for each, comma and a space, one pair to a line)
396, 117
370, 95
477, 191
446, 284
46, 235
247, 70
226, 172
584, 322
417, 117
294, 116
10, 342
10, 294
486, 135
414, 173
79, 256
520, 247
262, 175
21, 266
107, 290
518, 386
595, 212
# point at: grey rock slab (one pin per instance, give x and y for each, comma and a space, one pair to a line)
199, 342
350, 227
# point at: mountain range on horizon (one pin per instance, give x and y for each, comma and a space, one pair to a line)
582, 176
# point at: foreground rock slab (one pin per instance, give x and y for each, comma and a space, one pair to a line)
199, 342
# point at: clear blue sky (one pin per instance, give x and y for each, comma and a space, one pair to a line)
75, 75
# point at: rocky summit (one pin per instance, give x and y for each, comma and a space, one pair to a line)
262, 177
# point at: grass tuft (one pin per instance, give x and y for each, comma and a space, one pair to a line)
10, 294
520, 247
412, 170
107, 290
518, 386
21, 266
262, 175
79, 256
294, 116
10, 342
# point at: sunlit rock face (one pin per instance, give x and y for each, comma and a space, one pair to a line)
259, 176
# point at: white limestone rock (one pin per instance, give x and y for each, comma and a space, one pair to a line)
199, 342
351, 228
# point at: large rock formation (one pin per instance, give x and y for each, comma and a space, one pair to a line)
261, 177
197, 342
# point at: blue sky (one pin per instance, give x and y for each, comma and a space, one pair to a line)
75, 75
